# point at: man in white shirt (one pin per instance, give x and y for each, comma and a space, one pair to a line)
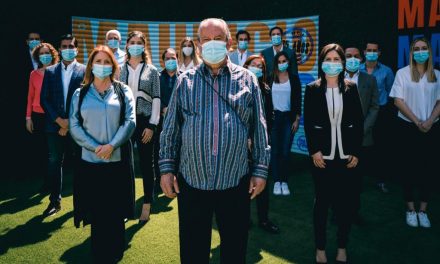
59, 83
113, 41
240, 55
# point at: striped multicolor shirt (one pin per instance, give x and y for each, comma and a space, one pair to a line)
207, 126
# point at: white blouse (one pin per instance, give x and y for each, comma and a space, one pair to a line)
281, 96
335, 106
420, 97
183, 68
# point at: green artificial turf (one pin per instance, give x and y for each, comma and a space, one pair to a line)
25, 237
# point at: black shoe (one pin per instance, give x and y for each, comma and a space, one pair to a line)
269, 227
52, 209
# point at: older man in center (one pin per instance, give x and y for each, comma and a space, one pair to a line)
213, 111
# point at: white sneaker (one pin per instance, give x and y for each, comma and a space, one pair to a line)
285, 188
277, 188
411, 219
424, 220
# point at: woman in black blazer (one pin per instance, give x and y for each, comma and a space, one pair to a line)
333, 123
285, 101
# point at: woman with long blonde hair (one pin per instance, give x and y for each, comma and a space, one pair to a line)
416, 92
188, 56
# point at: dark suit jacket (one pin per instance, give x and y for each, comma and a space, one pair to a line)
52, 96
369, 94
268, 58
317, 121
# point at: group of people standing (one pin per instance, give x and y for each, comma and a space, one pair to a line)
214, 123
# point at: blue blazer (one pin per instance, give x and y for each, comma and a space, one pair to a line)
233, 56
52, 95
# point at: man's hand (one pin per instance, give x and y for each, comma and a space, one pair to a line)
256, 186
63, 123
63, 132
169, 185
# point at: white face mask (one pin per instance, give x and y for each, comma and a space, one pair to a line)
187, 51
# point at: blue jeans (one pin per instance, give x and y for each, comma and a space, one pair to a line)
281, 142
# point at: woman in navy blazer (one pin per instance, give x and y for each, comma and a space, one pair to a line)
333, 123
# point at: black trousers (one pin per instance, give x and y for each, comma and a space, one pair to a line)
196, 209
364, 169
418, 167
263, 205
336, 187
383, 142
106, 211
145, 158
38, 147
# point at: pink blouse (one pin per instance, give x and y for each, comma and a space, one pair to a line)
33, 102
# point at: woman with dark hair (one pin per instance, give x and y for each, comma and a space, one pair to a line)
45, 55
257, 65
102, 120
286, 104
416, 92
143, 79
333, 123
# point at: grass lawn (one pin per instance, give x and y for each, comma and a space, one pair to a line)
25, 237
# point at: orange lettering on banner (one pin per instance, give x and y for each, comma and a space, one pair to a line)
144, 29
82, 30
164, 40
281, 24
261, 28
434, 16
233, 30
180, 34
409, 13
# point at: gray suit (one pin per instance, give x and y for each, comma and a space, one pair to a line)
269, 56
233, 56
369, 94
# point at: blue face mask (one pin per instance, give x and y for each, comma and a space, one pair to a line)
243, 45
257, 71
352, 64
372, 56
33, 43
421, 56
69, 54
45, 59
276, 40
113, 43
214, 51
102, 71
332, 69
283, 66
136, 50
171, 65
